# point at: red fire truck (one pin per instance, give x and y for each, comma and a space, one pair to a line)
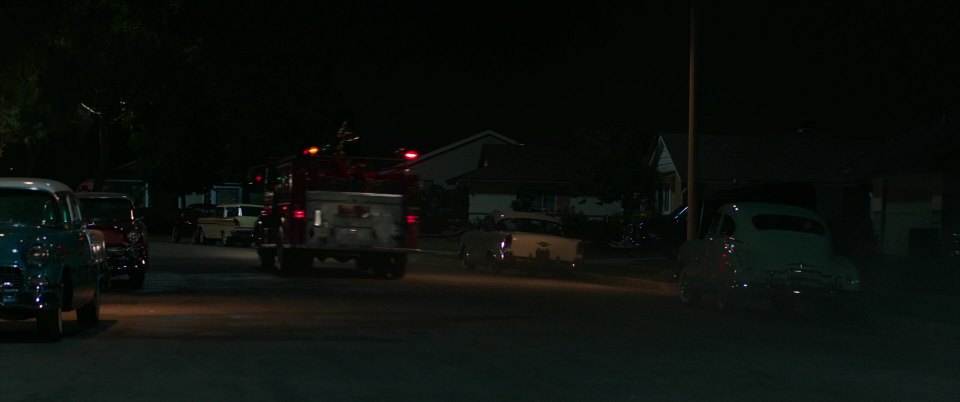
319, 206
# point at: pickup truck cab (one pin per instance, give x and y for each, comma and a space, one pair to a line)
528, 241
230, 224
50, 262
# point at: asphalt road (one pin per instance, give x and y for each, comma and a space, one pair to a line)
209, 326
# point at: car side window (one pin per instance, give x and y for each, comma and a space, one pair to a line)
727, 226
221, 212
232, 212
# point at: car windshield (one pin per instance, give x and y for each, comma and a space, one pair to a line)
788, 223
30, 208
530, 226
106, 208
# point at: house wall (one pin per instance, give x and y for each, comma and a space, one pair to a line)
482, 204
910, 204
455, 162
670, 177
592, 207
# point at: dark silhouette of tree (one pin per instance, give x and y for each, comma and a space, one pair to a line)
613, 165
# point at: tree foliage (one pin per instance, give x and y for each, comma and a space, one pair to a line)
194, 92
613, 164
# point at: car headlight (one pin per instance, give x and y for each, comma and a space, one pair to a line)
37, 255
133, 237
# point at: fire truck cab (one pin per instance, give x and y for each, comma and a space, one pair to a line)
333, 206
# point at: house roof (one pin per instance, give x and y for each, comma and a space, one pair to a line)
522, 163
466, 141
774, 159
919, 151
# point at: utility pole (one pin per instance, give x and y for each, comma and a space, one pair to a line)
693, 194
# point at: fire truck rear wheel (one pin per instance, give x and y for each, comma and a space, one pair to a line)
398, 266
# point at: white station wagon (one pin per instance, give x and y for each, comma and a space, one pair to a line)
777, 251
524, 240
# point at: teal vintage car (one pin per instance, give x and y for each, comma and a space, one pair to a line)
780, 252
49, 261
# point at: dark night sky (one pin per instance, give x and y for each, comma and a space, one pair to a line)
536, 71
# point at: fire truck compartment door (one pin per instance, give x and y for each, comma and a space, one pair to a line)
356, 219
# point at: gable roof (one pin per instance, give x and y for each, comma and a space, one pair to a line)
923, 150
773, 159
522, 163
466, 141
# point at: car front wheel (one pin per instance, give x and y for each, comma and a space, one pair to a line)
89, 315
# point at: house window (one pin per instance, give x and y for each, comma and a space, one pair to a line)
665, 198
544, 203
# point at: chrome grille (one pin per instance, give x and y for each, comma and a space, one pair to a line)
12, 276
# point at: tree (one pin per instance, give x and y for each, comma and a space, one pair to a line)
612, 164
78, 67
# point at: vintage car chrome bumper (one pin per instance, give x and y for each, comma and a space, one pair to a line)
240, 235
123, 260
19, 299
508, 259
796, 289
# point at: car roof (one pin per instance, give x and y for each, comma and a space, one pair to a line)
34, 183
761, 208
86, 194
498, 216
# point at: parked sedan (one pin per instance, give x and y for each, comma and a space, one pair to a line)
49, 262
780, 252
528, 241
125, 233
230, 224
186, 224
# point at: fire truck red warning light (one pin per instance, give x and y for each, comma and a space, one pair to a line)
410, 155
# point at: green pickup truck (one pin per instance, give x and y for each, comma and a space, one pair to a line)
49, 261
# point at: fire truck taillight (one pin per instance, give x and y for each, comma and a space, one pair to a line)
410, 154
299, 214
412, 219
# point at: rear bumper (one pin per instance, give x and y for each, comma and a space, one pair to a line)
240, 235
795, 292
343, 251
126, 260
510, 260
